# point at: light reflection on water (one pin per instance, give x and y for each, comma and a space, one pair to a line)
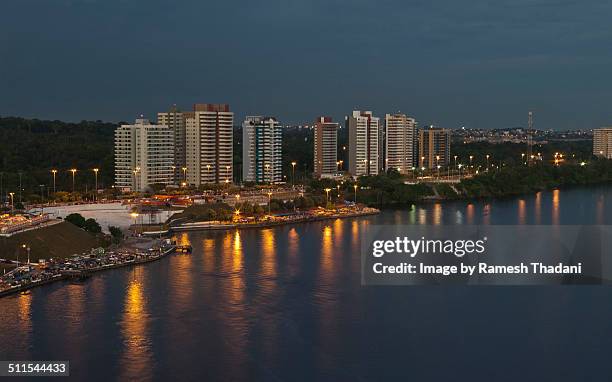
137, 355
286, 304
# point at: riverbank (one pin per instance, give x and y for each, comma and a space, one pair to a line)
391, 190
274, 221
30, 276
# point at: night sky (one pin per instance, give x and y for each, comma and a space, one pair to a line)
452, 63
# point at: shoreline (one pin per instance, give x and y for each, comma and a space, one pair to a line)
85, 273
206, 226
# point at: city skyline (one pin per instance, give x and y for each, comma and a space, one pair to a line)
476, 65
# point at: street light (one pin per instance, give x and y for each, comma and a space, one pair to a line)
269, 203
487, 162
208, 170
95, 170
28, 251
12, 194
73, 171
54, 172
135, 216
227, 174
355, 187
184, 174
327, 190
135, 171
293, 173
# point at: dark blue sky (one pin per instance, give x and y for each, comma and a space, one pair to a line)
475, 63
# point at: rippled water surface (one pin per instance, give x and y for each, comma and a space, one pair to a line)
286, 304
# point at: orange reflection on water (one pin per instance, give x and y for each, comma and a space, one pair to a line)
182, 239
522, 211
422, 216
24, 305
469, 213
555, 207
437, 214
237, 252
338, 233
208, 249
268, 259
327, 253
538, 208
137, 354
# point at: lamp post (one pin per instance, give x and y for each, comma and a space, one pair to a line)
184, 174
135, 172
227, 174
487, 156
269, 203
327, 190
12, 194
208, 170
438, 165
293, 174
27, 249
355, 187
95, 170
471, 157
523, 158
135, 216
54, 172
73, 171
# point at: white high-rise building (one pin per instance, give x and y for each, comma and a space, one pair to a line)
144, 155
209, 144
175, 120
262, 160
325, 147
400, 138
363, 143
602, 142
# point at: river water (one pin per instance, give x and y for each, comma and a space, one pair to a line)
286, 304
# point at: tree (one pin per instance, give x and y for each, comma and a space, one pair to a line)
76, 219
92, 226
116, 233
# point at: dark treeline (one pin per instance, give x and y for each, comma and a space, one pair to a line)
33, 147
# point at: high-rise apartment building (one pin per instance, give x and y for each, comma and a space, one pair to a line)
262, 160
602, 142
209, 144
363, 143
325, 147
434, 147
144, 155
400, 136
175, 120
